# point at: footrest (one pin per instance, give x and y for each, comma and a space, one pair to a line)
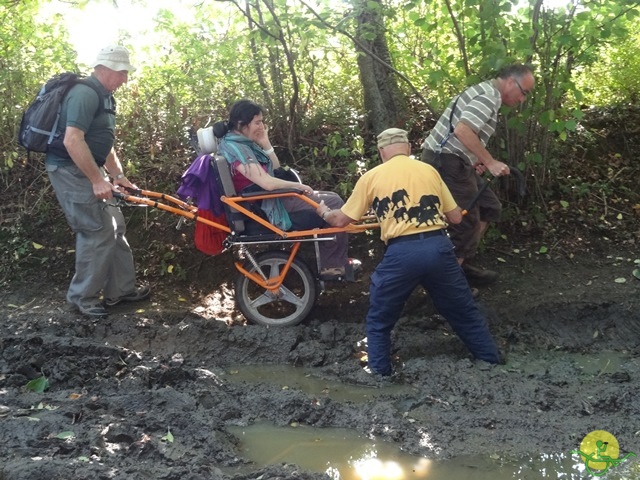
256, 238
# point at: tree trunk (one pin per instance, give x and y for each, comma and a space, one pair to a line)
383, 101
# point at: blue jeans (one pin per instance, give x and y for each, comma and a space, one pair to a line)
429, 262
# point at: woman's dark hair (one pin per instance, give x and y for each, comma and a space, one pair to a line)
241, 113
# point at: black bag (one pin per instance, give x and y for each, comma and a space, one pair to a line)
286, 173
39, 126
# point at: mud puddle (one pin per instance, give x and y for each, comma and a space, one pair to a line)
345, 455
601, 363
307, 381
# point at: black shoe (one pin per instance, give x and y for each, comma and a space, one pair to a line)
387, 378
479, 276
140, 293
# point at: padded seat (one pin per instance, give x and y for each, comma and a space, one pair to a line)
239, 222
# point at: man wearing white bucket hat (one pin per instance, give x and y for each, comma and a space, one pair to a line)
78, 162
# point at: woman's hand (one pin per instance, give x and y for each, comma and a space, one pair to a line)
306, 189
262, 138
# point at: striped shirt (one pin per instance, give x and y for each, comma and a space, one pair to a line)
478, 107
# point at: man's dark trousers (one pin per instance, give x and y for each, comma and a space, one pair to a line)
429, 262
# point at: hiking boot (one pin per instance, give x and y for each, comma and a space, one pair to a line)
479, 276
93, 310
140, 293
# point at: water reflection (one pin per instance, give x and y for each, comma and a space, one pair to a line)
344, 455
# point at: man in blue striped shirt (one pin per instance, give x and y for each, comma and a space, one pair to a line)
457, 148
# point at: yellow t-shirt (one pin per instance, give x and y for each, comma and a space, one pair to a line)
407, 197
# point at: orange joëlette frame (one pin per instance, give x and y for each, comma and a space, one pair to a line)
145, 197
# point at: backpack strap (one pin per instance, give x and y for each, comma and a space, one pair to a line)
446, 138
101, 98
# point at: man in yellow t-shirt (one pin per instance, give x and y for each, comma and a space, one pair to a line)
411, 203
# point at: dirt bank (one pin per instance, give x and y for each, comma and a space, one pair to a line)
120, 385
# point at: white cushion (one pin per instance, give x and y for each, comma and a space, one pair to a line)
207, 141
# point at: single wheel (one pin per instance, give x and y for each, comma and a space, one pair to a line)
289, 305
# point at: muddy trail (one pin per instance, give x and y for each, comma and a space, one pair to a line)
155, 392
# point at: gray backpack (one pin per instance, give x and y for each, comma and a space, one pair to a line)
39, 126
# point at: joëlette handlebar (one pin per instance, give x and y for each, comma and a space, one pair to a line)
520, 186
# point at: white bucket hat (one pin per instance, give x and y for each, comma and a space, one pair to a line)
114, 57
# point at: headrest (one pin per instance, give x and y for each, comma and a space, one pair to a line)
207, 141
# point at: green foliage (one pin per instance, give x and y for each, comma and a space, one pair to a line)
20, 252
615, 77
31, 49
38, 385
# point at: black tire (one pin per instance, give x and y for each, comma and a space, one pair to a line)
294, 301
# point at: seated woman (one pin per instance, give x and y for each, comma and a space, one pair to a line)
246, 146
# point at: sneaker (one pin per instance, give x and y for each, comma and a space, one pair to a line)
140, 293
93, 310
479, 275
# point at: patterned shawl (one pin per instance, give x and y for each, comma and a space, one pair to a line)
238, 148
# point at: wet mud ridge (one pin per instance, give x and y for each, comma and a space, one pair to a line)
150, 393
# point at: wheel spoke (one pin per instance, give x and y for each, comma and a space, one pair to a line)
263, 299
275, 270
288, 296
